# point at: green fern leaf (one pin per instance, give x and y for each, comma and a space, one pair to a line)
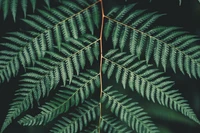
38, 82
47, 3
49, 29
14, 4
128, 112
14, 8
24, 5
96, 16
148, 82
89, 21
170, 41
5, 8
91, 129
84, 114
58, 37
82, 86
110, 124
33, 3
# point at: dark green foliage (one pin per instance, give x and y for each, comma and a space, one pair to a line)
110, 124
128, 112
146, 80
91, 129
166, 45
83, 115
68, 63
11, 6
50, 27
81, 88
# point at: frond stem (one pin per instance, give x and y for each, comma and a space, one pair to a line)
101, 59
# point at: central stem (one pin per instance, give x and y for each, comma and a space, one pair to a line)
101, 58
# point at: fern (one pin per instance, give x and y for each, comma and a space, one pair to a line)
128, 112
110, 124
91, 129
147, 81
49, 29
176, 46
46, 76
73, 57
86, 113
12, 6
80, 89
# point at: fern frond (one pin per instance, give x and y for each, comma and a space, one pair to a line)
42, 78
128, 111
12, 6
49, 30
177, 47
91, 129
147, 81
84, 114
81, 87
111, 124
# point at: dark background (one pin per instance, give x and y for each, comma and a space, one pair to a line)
187, 16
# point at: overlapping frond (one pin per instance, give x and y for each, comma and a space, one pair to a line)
128, 111
51, 27
91, 129
81, 88
12, 6
50, 70
110, 124
166, 45
147, 81
85, 113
